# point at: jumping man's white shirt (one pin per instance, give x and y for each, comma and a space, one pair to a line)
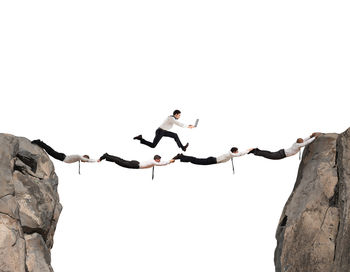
75, 158
169, 122
294, 149
227, 156
150, 163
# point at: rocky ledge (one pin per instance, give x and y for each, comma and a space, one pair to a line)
313, 234
29, 206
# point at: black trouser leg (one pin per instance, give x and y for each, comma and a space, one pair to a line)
159, 135
194, 160
175, 137
49, 150
280, 154
123, 163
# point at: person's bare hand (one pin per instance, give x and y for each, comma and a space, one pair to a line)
315, 134
190, 126
172, 160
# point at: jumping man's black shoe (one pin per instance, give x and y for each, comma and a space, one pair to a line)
185, 147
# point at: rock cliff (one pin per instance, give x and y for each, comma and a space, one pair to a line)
313, 234
29, 206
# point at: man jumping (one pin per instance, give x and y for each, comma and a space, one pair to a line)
163, 131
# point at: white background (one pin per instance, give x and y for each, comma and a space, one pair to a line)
87, 76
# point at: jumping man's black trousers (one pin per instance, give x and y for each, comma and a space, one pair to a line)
160, 133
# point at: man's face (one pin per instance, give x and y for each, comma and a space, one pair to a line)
177, 116
157, 160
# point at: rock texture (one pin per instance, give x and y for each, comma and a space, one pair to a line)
313, 234
29, 206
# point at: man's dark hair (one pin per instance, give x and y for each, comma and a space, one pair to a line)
234, 149
86, 156
300, 140
157, 157
176, 112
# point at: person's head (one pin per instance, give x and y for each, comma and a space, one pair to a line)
300, 140
157, 158
177, 114
234, 150
86, 157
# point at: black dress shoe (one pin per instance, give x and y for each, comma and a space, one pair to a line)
178, 156
36, 141
103, 157
185, 147
252, 151
139, 137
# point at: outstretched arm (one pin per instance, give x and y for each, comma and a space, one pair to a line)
179, 124
83, 159
312, 136
163, 163
307, 141
308, 138
239, 154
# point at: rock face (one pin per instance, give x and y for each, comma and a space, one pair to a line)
313, 233
29, 206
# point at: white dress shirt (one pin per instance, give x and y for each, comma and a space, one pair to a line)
75, 158
294, 149
151, 163
227, 156
169, 122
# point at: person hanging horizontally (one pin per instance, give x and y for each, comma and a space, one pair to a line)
135, 164
212, 160
61, 156
163, 131
283, 153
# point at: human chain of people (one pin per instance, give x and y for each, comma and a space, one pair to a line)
164, 131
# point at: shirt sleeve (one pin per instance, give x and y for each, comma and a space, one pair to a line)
239, 154
307, 138
83, 159
307, 141
178, 123
162, 163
